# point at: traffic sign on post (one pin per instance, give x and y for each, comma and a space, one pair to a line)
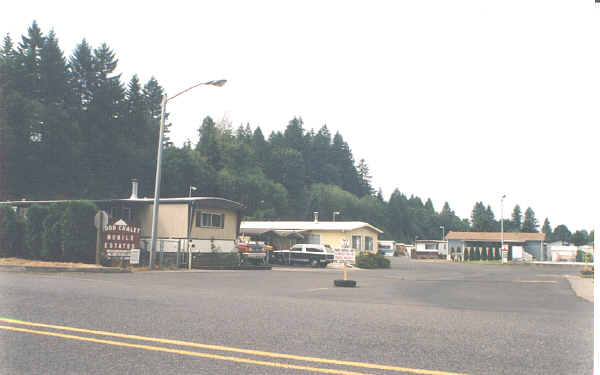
100, 220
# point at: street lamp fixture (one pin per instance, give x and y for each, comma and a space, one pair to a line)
161, 133
192, 188
335, 213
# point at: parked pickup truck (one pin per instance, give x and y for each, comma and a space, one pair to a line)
314, 255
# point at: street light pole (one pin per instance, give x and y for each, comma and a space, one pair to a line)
335, 213
161, 133
192, 188
443, 231
502, 226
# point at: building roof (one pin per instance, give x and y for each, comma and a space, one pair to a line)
495, 236
305, 225
212, 202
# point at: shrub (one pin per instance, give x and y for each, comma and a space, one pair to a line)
9, 232
370, 260
52, 235
484, 253
466, 255
216, 259
78, 232
34, 230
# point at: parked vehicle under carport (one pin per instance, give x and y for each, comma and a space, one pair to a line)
313, 255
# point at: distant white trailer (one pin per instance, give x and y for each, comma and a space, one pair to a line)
386, 248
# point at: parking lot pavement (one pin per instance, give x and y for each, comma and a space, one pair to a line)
418, 316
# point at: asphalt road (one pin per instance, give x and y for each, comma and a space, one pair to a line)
417, 317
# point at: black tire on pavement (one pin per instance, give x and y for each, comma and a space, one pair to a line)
345, 283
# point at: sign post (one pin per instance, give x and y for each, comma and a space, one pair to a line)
100, 220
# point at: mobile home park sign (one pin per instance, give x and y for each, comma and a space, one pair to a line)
120, 240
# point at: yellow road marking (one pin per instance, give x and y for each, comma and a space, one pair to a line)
236, 350
184, 352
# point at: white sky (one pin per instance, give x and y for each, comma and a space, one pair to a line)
454, 100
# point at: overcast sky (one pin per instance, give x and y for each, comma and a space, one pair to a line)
459, 101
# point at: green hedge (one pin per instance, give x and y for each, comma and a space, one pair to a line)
216, 259
79, 233
34, 230
9, 232
52, 233
370, 260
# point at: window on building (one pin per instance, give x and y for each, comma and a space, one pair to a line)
368, 243
210, 220
313, 239
431, 246
356, 243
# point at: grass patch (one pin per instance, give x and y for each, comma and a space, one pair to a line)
40, 263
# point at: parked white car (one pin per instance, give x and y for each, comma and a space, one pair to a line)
314, 255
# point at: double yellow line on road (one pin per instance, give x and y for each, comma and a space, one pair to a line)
211, 347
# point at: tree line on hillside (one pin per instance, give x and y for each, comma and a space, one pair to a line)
71, 129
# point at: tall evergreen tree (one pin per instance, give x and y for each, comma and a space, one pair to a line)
208, 144
479, 218
342, 160
429, 206
82, 77
28, 66
293, 136
261, 148
515, 222
530, 223
364, 176
547, 230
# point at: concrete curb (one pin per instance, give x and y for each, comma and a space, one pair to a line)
583, 288
10, 267
229, 268
580, 264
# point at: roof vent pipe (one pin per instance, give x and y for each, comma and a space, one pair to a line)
134, 189
316, 215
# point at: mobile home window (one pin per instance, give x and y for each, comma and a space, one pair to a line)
368, 243
356, 243
313, 239
210, 220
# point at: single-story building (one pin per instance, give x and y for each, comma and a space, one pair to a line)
563, 253
517, 243
355, 235
205, 224
430, 249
